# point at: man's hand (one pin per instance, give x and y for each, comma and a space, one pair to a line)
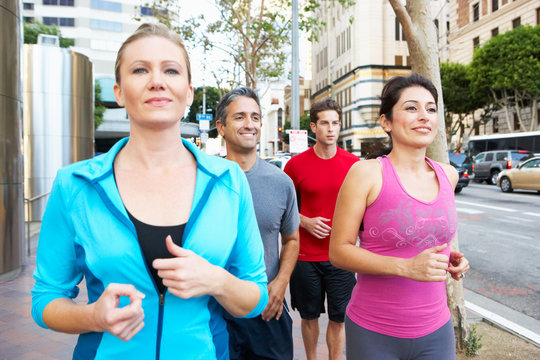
123, 322
316, 226
276, 293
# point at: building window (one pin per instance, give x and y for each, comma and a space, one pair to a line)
495, 125
494, 32
516, 22
105, 25
106, 5
28, 6
475, 42
59, 2
538, 16
68, 22
398, 60
28, 19
399, 33
476, 127
517, 123
494, 5
476, 11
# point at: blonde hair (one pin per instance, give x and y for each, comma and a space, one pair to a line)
149, 30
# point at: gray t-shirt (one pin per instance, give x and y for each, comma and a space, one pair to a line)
274, 199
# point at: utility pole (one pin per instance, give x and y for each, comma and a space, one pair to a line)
295, 94
204, 100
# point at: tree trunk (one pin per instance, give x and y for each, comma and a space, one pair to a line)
534, 114
421, 36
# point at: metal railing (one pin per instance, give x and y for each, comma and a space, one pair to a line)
28, 203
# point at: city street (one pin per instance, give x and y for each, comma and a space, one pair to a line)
499, 234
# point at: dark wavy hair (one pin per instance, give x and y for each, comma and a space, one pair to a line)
242, 91
323, 105
390, 95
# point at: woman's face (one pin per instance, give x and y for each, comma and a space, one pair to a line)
154, 86
414, 118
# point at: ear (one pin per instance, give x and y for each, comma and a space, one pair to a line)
118, 94
219, 126
189, 98
313, 126
385, 123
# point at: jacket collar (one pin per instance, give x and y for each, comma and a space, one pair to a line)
102, 166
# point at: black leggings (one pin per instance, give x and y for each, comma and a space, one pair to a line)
363, 344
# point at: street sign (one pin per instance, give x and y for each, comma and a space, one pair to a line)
297, 141
204, 125
204, 117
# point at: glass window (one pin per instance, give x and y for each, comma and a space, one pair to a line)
501, 156
105, 25
145, 10
495, 32
28, 19
67, 3
398, 29
28, 6
106, 5
494, 5
476, 42
516, 22
495, 125
517, 123
50, 2
476, 11
489, 157
50, 20
67, 22
479, 158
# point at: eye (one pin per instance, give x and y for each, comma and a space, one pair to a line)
410, 108
172, 72
256, 118
139, 70
432, 110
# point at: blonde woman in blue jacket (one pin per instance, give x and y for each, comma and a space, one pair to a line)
162, 233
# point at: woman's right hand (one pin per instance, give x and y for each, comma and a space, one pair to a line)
429, 265
123, 322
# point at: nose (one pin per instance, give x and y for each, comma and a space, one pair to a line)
156, 81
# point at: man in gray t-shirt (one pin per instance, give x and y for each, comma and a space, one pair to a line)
267, 336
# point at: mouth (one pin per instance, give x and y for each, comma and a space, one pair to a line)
423, 129
158, 101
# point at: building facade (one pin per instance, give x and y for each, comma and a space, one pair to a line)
472, 24
358, 49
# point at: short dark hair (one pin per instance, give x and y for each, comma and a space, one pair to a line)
323, 105
242, 91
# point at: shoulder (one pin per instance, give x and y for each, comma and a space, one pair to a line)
273, 174
450, 172
347, 155
366, 169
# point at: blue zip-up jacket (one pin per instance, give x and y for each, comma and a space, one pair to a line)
86, 232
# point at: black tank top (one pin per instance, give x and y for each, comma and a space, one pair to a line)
152, 242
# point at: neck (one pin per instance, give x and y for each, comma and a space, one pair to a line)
410, 158
245, 160
151, 149
325, 151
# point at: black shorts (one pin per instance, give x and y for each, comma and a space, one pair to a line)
256, 338
310, 281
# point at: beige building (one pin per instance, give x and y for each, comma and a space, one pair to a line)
472, 24
352, 60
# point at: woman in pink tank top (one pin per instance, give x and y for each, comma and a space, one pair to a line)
403, 204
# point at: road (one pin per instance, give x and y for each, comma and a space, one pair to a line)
500, 235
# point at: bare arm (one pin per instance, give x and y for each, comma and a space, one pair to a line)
360, 188
189, 275
64, 315
277, 287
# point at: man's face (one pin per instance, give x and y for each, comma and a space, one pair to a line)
243, 125
327, 127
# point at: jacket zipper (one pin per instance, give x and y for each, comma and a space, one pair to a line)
160, 324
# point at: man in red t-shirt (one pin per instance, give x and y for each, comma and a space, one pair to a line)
317, 174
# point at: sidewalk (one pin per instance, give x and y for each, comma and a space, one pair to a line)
21, 338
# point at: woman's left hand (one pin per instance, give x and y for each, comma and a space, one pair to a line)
458, 265
186, 275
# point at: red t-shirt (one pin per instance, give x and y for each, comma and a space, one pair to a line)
317, 182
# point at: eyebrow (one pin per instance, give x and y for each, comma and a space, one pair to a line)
246, 113
416, 102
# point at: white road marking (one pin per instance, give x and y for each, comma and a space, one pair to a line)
513, 219
469, 211
512, 235
485, 206
532, 214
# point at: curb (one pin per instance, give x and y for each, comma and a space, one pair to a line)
502, 316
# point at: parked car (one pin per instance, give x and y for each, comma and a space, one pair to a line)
526, 176
463, 164
280, 162
487, 165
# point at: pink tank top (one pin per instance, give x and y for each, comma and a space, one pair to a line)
398, 225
